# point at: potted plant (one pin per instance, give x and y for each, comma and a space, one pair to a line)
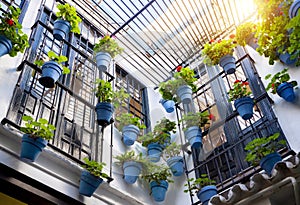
280, 84
168, 105
293, 47
221, 52
179, 88
91, 177
263, 151
108, 100
245, 35
158, 178
157, 140
132, 165
52, 69
130, 127
173, 158
242, 102
204, 188
35, 138
12, 39
193, 124
106, 49
67, 20
294, 8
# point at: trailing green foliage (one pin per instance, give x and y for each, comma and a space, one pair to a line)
261, 147
12, 29
244, 33
199, 119
39, 128
154, 172
129, 119
197, 184
240, 89
277, 79
108, 45
294, 38
68, 13
95, 168
172, 150
130, 156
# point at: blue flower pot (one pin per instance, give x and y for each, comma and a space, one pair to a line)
158, 190
286, 91
32, 147
206, 193
61, 29
286, 59
51, 71
131, 170
293, 11
176, 165
88, 183
168, 105
5, 45
194, 136
227, 62
244, 106
154, 151
268, 162
130, 134
185, 92
104, 111
103, 60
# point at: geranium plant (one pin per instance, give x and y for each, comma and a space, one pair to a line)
199, 119
277, 79
57, 58
214, 50
12, 30
240, 89
197, 184
294, 38
244, 33
129, 119
109, 45
68, 13
95, 168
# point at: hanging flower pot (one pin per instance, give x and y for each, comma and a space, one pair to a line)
104, 111
286, 91
5, 45
154, 151
168, 105
293, 11
88, 183
194, 136
131, 170
206, 193
32, 147
244, 106
102, 60
286, 58
130, 134
176, 165
185, 92
158, 190
268, 162
51, 72
227, 62
61, 29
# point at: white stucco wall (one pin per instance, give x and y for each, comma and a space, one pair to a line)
288, 113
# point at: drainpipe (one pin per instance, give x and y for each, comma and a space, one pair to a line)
261, 193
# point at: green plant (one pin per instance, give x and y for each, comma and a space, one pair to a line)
277, 79
160, 133
12, 29
240, 89
261, 147
95, 168
199, 119
68, 13
197, 184
39, 128
130, 156
294, 38
129, 119
105, 93
213, 51
153, 172
185, 76
244, 33
58, 59
172, 150
108, 45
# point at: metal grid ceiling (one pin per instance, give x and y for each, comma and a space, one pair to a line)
159, 35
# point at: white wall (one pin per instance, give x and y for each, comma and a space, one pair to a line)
288, 113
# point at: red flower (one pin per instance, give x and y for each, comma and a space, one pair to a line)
273, 85
179, 68
232, 36
212, 117
280, 13
245, 83
219, 41
10, 22
211, 41
237, 81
